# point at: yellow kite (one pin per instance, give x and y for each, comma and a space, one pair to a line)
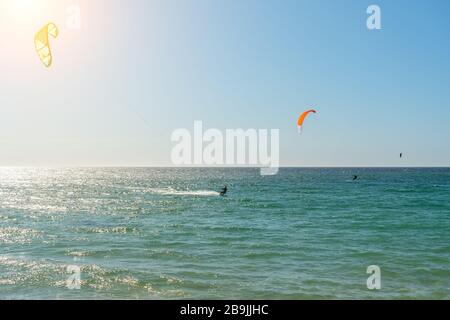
42, 44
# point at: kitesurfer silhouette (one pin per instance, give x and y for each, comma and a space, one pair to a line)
224, 191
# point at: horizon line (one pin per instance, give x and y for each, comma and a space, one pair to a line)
217, 167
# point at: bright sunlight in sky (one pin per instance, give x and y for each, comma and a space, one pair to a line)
22, 9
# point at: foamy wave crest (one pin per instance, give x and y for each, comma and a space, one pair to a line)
171, 191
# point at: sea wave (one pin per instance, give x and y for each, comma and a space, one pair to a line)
171, 191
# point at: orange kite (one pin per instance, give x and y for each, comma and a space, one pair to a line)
302, 119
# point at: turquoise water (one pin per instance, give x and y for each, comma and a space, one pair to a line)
166, 234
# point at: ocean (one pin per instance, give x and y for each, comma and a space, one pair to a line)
165, 233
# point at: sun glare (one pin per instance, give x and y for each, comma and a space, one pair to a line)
22, 9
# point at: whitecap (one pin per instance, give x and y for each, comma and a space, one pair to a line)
171, 191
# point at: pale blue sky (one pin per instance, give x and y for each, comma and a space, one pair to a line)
137, 70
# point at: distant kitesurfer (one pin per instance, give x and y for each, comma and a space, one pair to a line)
224, 191
401, 155
355, 177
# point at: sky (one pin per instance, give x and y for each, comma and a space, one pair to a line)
135, 71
